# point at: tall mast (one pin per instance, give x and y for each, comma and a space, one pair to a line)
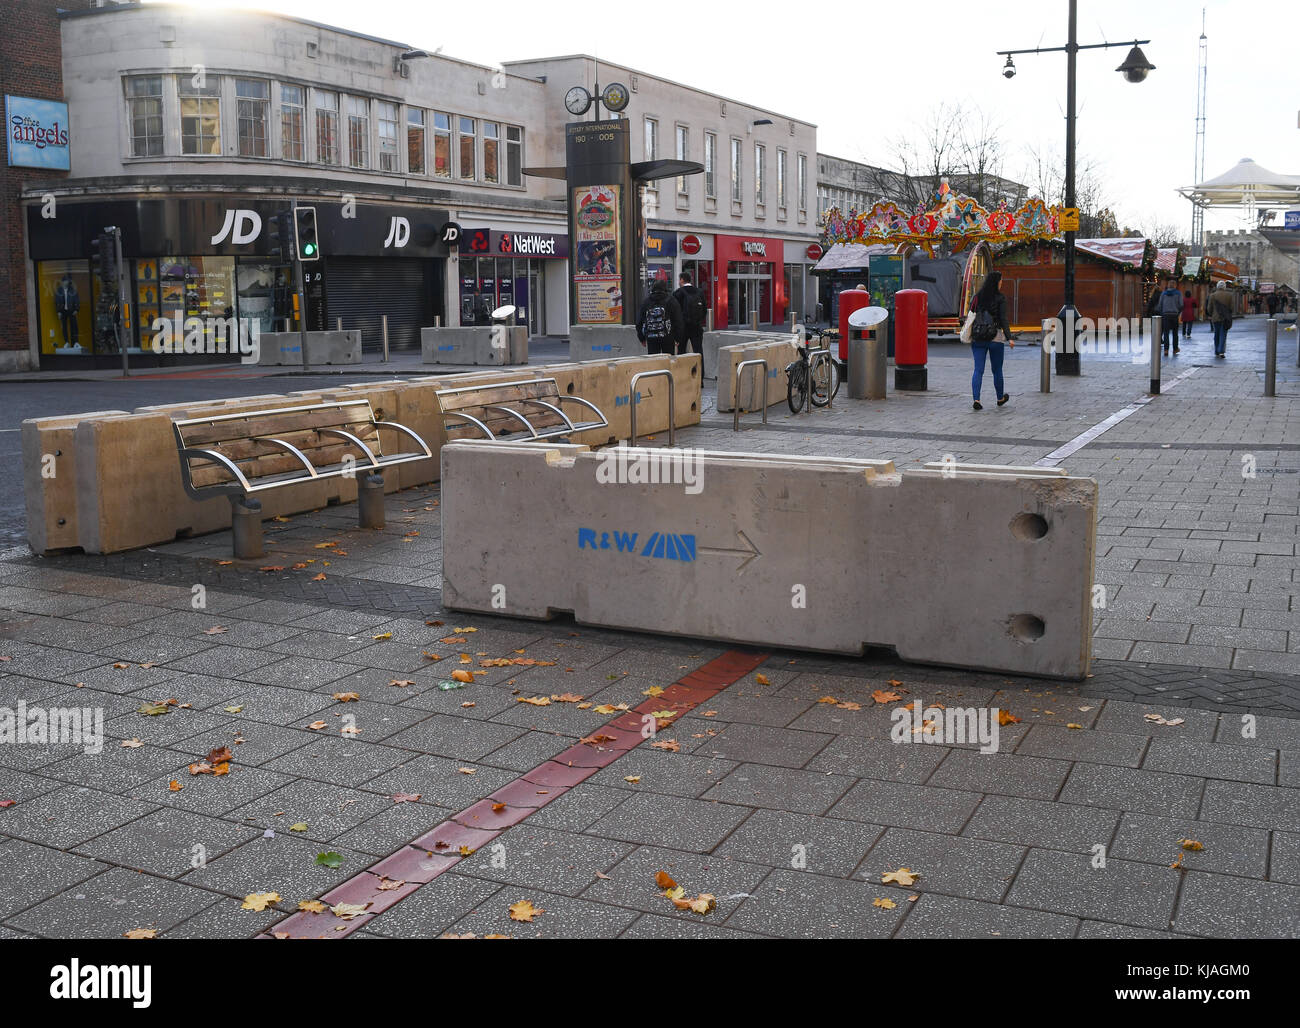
1198, 175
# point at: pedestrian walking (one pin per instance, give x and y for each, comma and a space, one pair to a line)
1272, 305
690, 298
1219, 308
1189, 313
1169, 306
659, 324
989, 332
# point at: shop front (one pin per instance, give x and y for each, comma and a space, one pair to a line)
212, 259
507, 268
750, 280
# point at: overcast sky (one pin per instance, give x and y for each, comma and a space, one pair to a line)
861, 71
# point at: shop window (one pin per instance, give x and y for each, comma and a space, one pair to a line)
65, 305
144, 105
415, 141
292, 123
358, 132
466, 142
514, 155
148, 298
491, 151
252, 114
200, 114
389, 157
710, 165
327, 127
442, 145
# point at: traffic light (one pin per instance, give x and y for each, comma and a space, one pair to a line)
279, 229
103, 258
307, 243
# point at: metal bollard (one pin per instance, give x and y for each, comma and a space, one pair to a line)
370, 500
246, 527
1045, 362
384, 321
339, 323
1270, 357
753, 320
1153, 340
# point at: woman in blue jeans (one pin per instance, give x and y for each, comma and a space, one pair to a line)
997, 330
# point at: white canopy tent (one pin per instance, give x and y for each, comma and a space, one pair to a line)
1247, 185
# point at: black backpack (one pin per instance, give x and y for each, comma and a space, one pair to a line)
985, 328
656, 322
696, 311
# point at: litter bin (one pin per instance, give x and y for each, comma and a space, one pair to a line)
867, 352
911, 313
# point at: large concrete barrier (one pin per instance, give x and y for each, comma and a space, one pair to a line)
49, 453
285, 348
494, 345
778, 353
603, 342
948, 566
714, 341
114, 482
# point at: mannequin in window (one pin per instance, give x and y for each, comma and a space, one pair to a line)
67, 302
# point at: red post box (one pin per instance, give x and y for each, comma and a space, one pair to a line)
911, 328
850, 301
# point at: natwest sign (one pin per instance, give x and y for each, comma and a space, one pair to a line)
494, 242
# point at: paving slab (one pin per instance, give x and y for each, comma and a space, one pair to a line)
935, 916
1123, 891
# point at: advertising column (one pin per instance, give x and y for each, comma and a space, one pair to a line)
604, 274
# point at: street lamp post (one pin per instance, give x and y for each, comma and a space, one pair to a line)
1134, 68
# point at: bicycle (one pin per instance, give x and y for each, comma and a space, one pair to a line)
825, 378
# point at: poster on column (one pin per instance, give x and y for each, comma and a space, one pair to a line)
597, 276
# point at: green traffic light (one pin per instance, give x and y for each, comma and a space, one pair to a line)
309, 248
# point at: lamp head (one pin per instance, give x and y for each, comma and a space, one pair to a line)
1009, 69
1135, 66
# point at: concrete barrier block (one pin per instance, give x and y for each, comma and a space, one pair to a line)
278, 349
970, 569
49, 457
418, 410
777, 352
651, 397
689, 382
714, 341
603, 342
484, 344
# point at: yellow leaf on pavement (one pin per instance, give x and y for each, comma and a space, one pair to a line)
259, 900
524, 911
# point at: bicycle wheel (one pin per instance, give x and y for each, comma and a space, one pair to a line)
826, 381
796, 390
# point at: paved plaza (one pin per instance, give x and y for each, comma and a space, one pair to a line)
375, 795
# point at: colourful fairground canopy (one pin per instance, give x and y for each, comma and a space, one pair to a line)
952, 217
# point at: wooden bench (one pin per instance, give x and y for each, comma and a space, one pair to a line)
531, 408
242, 455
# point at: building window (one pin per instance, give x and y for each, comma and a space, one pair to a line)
491, 151
358, 131
683, 153
466, 142
327, 127
389, 156
735, 171
144, 107
200, 115
415, 141
710, 165
292, 120
514, 155
252, 114
780, 178
803, 182
651, 139
442, 145
760, 182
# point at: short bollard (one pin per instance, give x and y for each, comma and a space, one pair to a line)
370, 500
1045, 361
1153, 340
246, 527
1270, 357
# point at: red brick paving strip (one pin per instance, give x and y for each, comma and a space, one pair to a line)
438, 850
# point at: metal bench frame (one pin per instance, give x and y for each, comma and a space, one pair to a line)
246, 509
452, 418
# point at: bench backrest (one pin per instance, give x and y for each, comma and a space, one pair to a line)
244, 440
477, 401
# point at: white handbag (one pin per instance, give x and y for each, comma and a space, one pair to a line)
966, 327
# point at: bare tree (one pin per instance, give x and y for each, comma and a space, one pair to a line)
1045, 175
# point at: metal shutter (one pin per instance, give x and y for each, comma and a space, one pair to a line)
362, 289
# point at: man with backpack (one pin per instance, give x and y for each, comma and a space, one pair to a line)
690, 298
1170, 308
660, 325
1220, 307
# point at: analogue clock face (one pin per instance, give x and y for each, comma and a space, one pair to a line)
577, 100
615, 96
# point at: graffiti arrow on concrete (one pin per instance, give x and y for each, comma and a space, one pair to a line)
749, 553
